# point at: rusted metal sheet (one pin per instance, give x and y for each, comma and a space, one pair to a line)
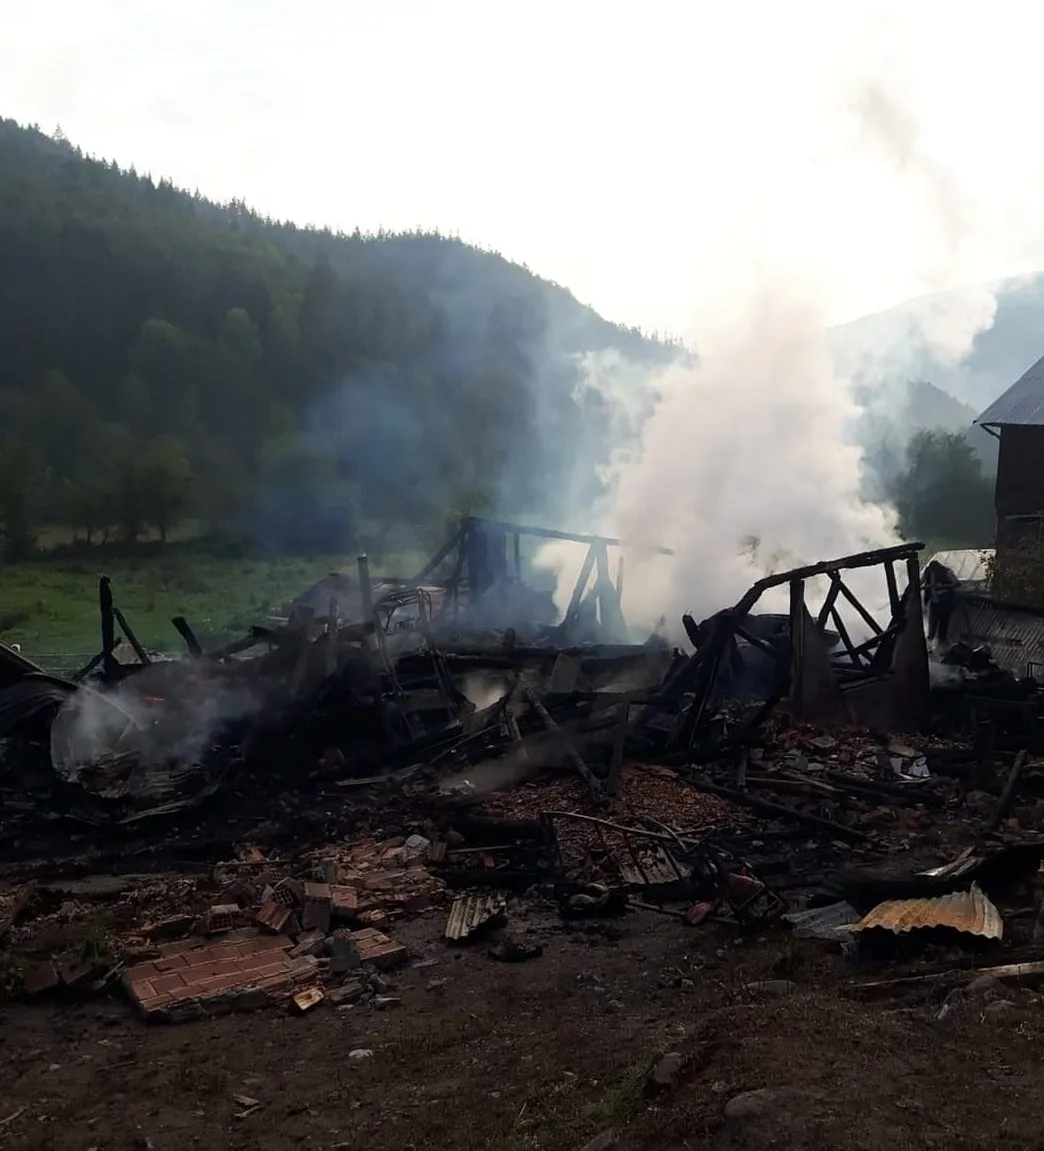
970, 912
470, 912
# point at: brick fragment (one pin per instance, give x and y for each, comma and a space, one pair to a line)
318, 905
274, 916
39, 978
344, 901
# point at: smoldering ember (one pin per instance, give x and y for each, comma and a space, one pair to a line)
327, 816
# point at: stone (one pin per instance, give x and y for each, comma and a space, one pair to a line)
982, 985
351, 991
344, 953
310, 943
603, 1142
998, 1008
773, 987
664, 1073
749, 1104
360, 1053
383, 1002
417, 848
39, 978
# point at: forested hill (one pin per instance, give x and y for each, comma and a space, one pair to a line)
163, 357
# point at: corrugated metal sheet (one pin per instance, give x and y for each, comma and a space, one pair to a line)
967, 911
968, 564
1014, 636
472, 911
1022, 403
35, 698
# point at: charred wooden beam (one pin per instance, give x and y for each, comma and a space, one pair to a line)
867, 618
893, 591
845, 563
756, 803
108, 628
182, 627
575, 758
1008, 794
829, 602
846, 639
362, 564
580, 587
553, 534
440, 555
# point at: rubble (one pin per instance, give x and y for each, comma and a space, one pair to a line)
445, 748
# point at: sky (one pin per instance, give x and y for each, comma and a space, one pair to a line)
649, 157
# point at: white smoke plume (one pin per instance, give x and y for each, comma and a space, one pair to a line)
745, 465
161, 717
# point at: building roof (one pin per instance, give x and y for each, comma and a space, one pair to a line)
1022, 403
967, 564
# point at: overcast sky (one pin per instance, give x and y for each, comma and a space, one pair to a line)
645, 155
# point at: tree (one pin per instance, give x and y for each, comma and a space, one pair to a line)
22, 477
943, 494
168, 484
164, 360
413, 366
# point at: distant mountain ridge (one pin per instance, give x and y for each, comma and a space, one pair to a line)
999, 354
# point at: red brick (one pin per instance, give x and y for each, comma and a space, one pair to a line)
172, 963
205, 987
316, 891
146, 969
167, 982
375, 947
179, 947
274, 916
345, 899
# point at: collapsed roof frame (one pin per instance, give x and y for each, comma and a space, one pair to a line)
484, 561
880, 681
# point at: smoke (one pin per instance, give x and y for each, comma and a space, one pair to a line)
749, 462
162, 718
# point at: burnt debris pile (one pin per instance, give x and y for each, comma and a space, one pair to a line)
473, 673
386, 748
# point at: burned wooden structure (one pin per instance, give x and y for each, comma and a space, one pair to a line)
881, 681
486, 565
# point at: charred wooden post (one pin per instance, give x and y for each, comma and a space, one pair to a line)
609, 613
365, 587
623, 714
108, 629
331, 638
132, 639
582, 580
893, 591
182, 627
575, 758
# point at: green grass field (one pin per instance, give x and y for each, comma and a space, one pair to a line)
50, 607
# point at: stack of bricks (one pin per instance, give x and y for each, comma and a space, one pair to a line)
191, 970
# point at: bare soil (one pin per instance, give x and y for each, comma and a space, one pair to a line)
550, 1053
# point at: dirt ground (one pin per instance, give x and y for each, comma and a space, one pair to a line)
550, 1053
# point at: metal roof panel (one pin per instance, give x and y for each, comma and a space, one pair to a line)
1021, 404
